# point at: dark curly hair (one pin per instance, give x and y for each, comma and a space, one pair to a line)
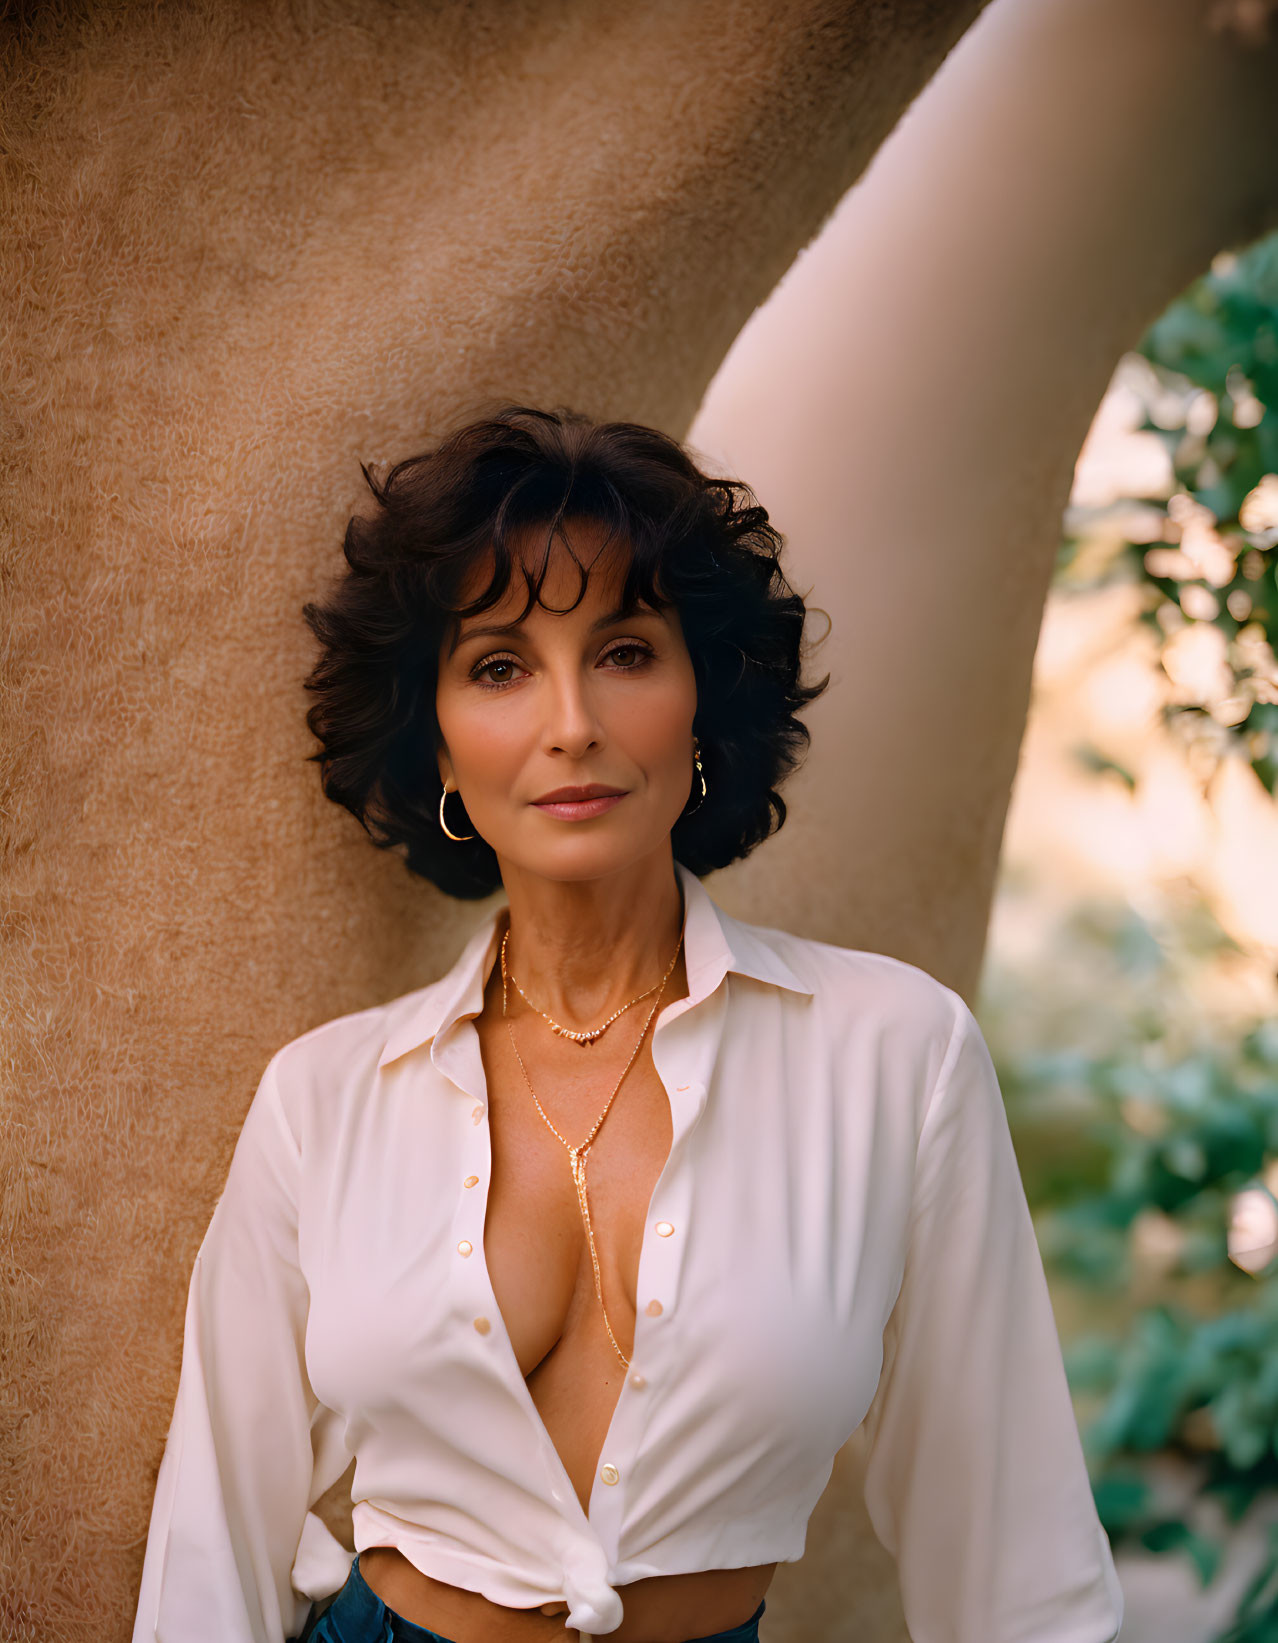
700, 543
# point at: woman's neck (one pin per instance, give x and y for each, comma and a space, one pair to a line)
582, 947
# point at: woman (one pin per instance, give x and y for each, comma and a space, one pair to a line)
594, 1252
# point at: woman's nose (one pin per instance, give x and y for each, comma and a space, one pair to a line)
572, 721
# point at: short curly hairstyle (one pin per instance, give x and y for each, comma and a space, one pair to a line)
701, 543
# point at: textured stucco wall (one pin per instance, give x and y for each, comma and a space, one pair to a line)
245, 245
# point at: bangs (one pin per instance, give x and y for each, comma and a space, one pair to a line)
520, 540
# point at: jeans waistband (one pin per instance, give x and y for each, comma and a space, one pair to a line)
358, 1615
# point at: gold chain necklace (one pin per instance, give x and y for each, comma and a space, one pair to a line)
577, 1154
589, 1036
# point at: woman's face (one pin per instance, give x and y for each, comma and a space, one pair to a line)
569, 700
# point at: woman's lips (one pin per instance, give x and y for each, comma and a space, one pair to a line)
580, 809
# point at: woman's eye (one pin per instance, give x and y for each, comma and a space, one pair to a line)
637, 653
491, 665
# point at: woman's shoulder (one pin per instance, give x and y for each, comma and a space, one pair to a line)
346, 1048
872, 1009
857, 976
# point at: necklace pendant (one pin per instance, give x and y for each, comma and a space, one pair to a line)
577, 1038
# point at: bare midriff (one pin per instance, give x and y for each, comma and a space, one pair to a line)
661, 1609
539, 1265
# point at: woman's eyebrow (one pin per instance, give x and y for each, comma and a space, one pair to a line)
499, 632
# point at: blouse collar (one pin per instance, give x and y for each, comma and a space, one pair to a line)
714, 943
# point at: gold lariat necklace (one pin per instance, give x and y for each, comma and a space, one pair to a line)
577, 1154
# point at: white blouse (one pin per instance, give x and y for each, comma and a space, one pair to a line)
840, 1247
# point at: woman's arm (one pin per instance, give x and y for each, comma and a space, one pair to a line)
973, 1467
238, 1472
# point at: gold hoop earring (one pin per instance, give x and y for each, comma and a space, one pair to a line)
696, 759
459, 837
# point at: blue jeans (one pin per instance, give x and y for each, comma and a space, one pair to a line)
358, 1615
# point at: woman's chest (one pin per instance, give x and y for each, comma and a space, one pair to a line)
748, 1231
575, 1155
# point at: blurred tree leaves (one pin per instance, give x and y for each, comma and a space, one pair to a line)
1205, 553
1141, 1136
1133, 1156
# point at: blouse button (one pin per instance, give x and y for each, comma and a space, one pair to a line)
476, 1114
653, 1309
465, 1247
638, 1380
609, 1473
482, 1325
664, 1229
470, 1181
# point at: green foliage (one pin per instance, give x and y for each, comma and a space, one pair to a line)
1205, 554
1137, 1140
1214, 1117
1169, 1122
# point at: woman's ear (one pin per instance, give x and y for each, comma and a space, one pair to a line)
445, 765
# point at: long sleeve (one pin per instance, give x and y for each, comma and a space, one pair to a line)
973, 1468
239, 1472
